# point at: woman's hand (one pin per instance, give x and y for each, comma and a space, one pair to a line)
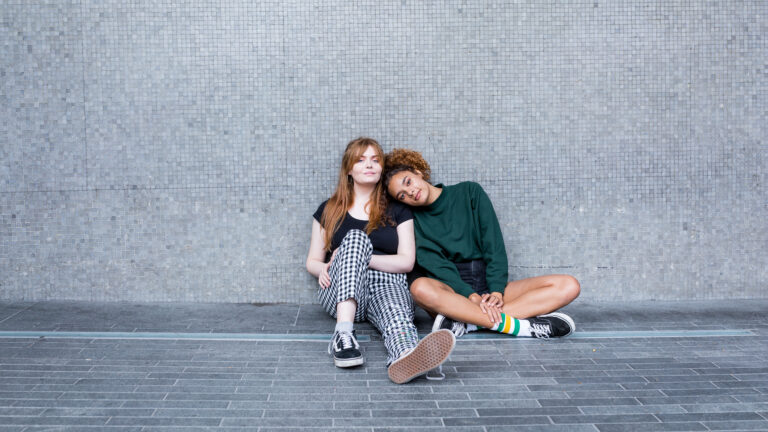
325, 278
493, 312
493, 299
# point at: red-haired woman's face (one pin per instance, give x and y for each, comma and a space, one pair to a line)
409, 188
367, 169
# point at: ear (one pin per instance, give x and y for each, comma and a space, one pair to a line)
418, 173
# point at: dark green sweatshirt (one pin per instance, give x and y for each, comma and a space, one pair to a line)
460, 226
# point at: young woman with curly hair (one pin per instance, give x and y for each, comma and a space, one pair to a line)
461, 273
361, 248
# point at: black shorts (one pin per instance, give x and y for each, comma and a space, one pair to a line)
471, 272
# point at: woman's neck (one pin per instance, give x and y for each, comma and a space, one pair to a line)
434, 194
363, 193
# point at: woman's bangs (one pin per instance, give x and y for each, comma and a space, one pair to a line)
357, 150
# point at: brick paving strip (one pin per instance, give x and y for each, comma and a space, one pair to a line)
679, 366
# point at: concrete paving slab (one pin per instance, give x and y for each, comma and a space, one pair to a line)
639, 366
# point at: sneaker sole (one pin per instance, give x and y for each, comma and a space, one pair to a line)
430, 353
565, 318
345, 363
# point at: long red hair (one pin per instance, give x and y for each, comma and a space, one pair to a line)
344, 196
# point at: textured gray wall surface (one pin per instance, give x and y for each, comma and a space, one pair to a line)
175, 150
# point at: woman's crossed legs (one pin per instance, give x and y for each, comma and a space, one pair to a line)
525, 298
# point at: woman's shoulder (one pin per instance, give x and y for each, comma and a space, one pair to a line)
468, 190
466, 186
393, 206
469, 184
399, 212
319, 212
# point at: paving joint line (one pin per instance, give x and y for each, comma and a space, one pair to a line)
323, 337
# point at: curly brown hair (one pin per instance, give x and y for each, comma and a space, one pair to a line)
399, 160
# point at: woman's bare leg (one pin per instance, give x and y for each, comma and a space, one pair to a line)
436, 297
539, 295
345, 311
522, 299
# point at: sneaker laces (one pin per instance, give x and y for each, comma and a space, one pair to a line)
458, 328
436, 374
541, 330
346, 340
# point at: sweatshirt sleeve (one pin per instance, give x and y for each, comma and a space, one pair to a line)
429, 256
491, 242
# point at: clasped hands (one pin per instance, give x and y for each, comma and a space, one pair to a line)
490, 304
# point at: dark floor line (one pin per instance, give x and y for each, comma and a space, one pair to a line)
315, 337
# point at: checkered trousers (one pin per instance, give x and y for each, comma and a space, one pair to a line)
382, 298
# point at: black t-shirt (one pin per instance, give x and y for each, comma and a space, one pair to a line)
384, 238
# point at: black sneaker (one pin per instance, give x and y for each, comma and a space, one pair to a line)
556, 324
456, 327
346, 351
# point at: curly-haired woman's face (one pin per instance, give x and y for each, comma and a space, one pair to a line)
409, 188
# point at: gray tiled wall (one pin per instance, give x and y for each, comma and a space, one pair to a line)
175, 150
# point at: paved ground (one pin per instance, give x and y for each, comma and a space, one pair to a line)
190, 377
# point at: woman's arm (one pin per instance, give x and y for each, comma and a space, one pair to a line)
402, 262
431, 258
316, 257
491, 242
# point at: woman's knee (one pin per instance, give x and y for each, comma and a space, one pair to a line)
424, 292
356, 235
570, 288
354, 243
